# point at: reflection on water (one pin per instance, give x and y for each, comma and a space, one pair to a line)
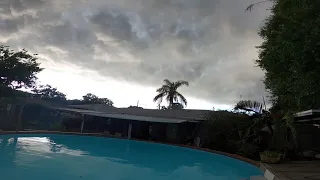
80, 157
43, 145
10, 141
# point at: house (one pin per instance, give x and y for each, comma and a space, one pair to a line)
176, 126
308, 129
307, 132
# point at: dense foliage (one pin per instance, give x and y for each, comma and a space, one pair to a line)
248, 130
93, 99
17, 69
290, 54
47, 92
231, 132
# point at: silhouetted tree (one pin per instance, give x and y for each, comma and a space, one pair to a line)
47, 92
17, 69
93, 99
169, 91
249, 106
260, 115
289, 54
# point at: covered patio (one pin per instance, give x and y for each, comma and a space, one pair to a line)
131, 126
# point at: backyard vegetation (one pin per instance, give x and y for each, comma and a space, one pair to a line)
18, 69
289, 55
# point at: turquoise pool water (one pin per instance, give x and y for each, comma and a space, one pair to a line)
70, 157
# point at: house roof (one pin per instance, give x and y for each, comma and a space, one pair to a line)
308, 113
184, 114
123, 116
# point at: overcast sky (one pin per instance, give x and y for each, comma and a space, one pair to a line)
124, 49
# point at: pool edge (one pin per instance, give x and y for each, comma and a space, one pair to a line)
234, 156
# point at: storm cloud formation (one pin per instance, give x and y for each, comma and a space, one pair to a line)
210, 43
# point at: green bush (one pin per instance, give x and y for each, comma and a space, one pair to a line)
227, 131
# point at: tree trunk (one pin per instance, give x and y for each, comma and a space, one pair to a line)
171, 102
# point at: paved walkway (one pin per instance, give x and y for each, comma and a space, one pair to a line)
296, 170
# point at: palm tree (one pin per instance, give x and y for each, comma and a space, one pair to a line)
260, 114
170, 93
249, 106
262, 117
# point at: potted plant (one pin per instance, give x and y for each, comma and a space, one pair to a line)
270, 157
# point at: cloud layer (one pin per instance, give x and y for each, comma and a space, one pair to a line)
210, 43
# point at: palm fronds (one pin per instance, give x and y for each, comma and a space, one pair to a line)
170, 93
251, 106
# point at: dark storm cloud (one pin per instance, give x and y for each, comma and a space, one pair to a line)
9, 26
210, 43
117, 26
10, 6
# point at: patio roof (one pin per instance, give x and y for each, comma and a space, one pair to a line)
124, 116
309, 116
308, 113
184, 114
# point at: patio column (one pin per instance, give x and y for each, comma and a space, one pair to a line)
197, 141
82, 123
20, 116
129, 131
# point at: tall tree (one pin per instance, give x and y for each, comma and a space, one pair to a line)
170, 93
17, 68
93, 99
290, 54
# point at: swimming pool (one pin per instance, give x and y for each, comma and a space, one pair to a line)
71, 157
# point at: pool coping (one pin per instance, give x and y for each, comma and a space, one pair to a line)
234, 156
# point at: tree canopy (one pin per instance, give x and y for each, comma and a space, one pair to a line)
290, 54
170, 93
93, 99
17, 68
47, 92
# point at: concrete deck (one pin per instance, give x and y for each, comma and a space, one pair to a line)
296, 170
